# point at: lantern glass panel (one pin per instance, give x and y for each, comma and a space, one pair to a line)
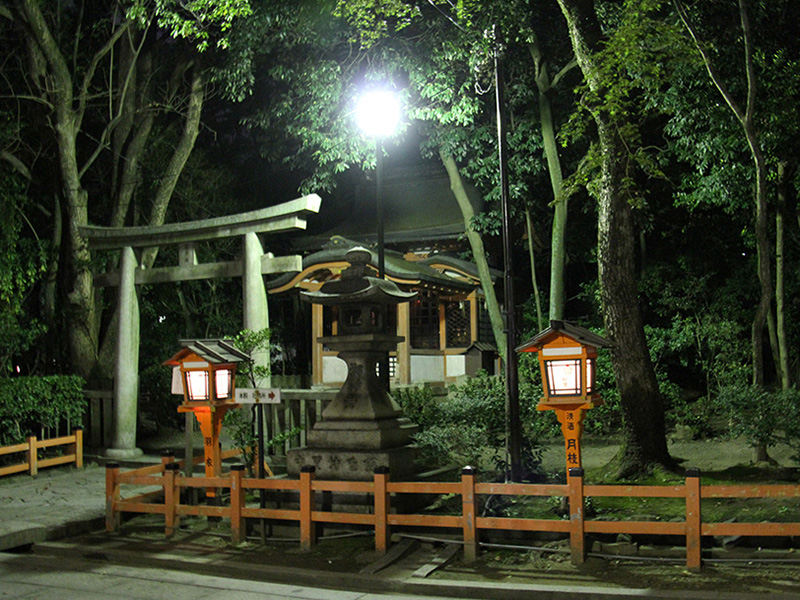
197, 385
222, 383
589, 375
564, 377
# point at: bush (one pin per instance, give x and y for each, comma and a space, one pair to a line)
762, 417
468, 427
29, 403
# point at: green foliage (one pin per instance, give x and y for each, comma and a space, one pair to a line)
29, 403
193, 20
374, 19
240, 425
762, 417
253, 342
22, 262
637, 60
468, 427
605, 419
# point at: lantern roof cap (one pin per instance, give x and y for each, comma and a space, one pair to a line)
212, 351
563, 328
357, 285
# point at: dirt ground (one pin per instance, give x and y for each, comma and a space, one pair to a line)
707, 455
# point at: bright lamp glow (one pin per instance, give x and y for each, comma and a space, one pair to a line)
378, 113
222, 384
564, 377
197, 385
589, 375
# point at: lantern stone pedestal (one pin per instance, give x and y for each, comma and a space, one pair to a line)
363, 427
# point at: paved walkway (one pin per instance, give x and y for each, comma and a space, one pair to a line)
59, 502
36, 577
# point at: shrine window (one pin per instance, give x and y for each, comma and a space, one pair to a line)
458, 332
424, 321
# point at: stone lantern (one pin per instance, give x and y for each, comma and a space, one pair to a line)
363, 427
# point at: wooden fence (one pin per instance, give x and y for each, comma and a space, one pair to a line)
33, 463
469, 522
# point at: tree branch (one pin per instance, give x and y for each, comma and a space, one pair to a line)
748, 59
92, 68
567, 68
16, 163
712, 72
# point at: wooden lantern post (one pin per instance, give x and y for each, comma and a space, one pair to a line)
567, 355
206, 370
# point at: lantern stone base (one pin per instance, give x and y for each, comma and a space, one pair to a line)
344, 464
123, 453
351, 450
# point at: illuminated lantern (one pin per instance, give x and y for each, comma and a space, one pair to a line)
204, 371
207, 370
567, 359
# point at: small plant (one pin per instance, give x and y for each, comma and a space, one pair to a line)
240, 423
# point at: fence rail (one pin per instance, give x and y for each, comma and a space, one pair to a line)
33, 463
382, 519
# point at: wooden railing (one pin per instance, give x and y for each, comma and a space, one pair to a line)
33, 463
382, 519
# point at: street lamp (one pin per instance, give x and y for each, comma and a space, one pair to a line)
378, 115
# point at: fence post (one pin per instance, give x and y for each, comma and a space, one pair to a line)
576, 516
694, 559
382, 503
308, 534
238, 528
33, 456
112, 496
77, 447
469, 513
171, 496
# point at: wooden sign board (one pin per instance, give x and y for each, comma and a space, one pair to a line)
258, 396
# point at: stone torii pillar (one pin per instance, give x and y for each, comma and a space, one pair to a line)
126, 372
256, 309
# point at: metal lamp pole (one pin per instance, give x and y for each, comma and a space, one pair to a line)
379, 205
513, 430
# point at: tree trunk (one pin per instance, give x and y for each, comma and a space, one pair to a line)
644, 441
642, 406
165, 190
478, 253
536, 298
780, 294
558, 252
172, 173
745, 117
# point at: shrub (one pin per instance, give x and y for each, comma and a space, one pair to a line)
762, 417
29, 403
468, 427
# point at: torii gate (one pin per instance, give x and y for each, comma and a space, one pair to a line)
251, 268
